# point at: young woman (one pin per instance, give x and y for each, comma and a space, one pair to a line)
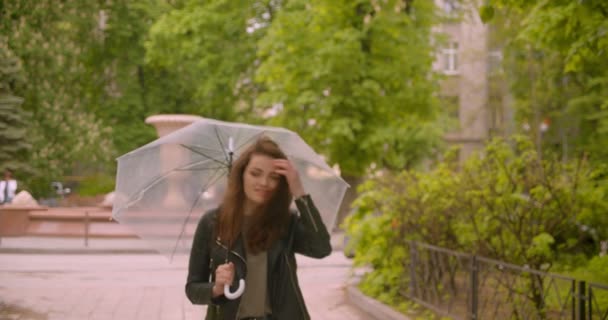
253, 235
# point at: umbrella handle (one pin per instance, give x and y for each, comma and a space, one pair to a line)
237, 293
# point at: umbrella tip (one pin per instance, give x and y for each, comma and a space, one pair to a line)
231, 144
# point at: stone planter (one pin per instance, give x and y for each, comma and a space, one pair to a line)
14, 219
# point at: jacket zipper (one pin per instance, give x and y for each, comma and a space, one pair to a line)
238, 306
293, 284
231, 251
212, 279
211, 270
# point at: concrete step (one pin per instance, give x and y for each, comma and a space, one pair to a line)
76, 222
72, 214
98, 223
71, 222
47, 228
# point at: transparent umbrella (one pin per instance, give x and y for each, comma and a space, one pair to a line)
164, 187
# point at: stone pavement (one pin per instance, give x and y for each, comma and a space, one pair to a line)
139, 286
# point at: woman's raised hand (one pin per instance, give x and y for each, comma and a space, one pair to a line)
286, 168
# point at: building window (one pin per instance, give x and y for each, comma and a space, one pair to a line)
450, 58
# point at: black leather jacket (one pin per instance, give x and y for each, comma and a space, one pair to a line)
307, 236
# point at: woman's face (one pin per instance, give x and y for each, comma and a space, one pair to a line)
260, 181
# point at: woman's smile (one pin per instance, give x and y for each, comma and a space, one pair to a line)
265, 193
260, 181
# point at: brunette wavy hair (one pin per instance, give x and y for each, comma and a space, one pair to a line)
271, 221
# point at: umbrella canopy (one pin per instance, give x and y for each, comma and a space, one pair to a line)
164, 187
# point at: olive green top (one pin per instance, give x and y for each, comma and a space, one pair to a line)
255, 302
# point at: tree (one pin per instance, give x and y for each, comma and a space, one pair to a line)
53, 41
212, 47
133, 89
556, 58
14, 144
354, 78
374, 70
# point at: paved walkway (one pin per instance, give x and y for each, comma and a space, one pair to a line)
139, 286
96, 245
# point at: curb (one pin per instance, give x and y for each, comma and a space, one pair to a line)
75, 251
373, 308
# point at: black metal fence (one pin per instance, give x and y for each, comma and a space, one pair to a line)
464, 286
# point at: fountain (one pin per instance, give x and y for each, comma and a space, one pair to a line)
164, 125
167, 123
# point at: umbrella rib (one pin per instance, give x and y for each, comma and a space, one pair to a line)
255, 136
217, 135
187, 166
309, 162
203, 189
164, 175
137, 196
200, 169
203, 155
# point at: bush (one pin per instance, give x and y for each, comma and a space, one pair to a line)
95, 185
505, 203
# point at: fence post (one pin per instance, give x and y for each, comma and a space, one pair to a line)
474, 287
590, 299
581, 297
574, 299
413, 261
86, 229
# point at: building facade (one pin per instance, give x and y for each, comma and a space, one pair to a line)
473, 89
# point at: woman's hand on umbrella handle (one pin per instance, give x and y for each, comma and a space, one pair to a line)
286, 168
237, 293
224, 275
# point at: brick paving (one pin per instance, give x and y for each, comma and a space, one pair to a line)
66, 287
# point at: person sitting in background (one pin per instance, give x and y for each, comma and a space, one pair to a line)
8, 187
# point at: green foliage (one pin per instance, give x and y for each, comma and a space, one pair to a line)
506, 203
11, 71
211, 48
93, 71
486, 13
595, 271
95, 185
555, 61
53, 42
14, 145
541, 246
133, 90
353, 79
408, 205
516, 204
85, 82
